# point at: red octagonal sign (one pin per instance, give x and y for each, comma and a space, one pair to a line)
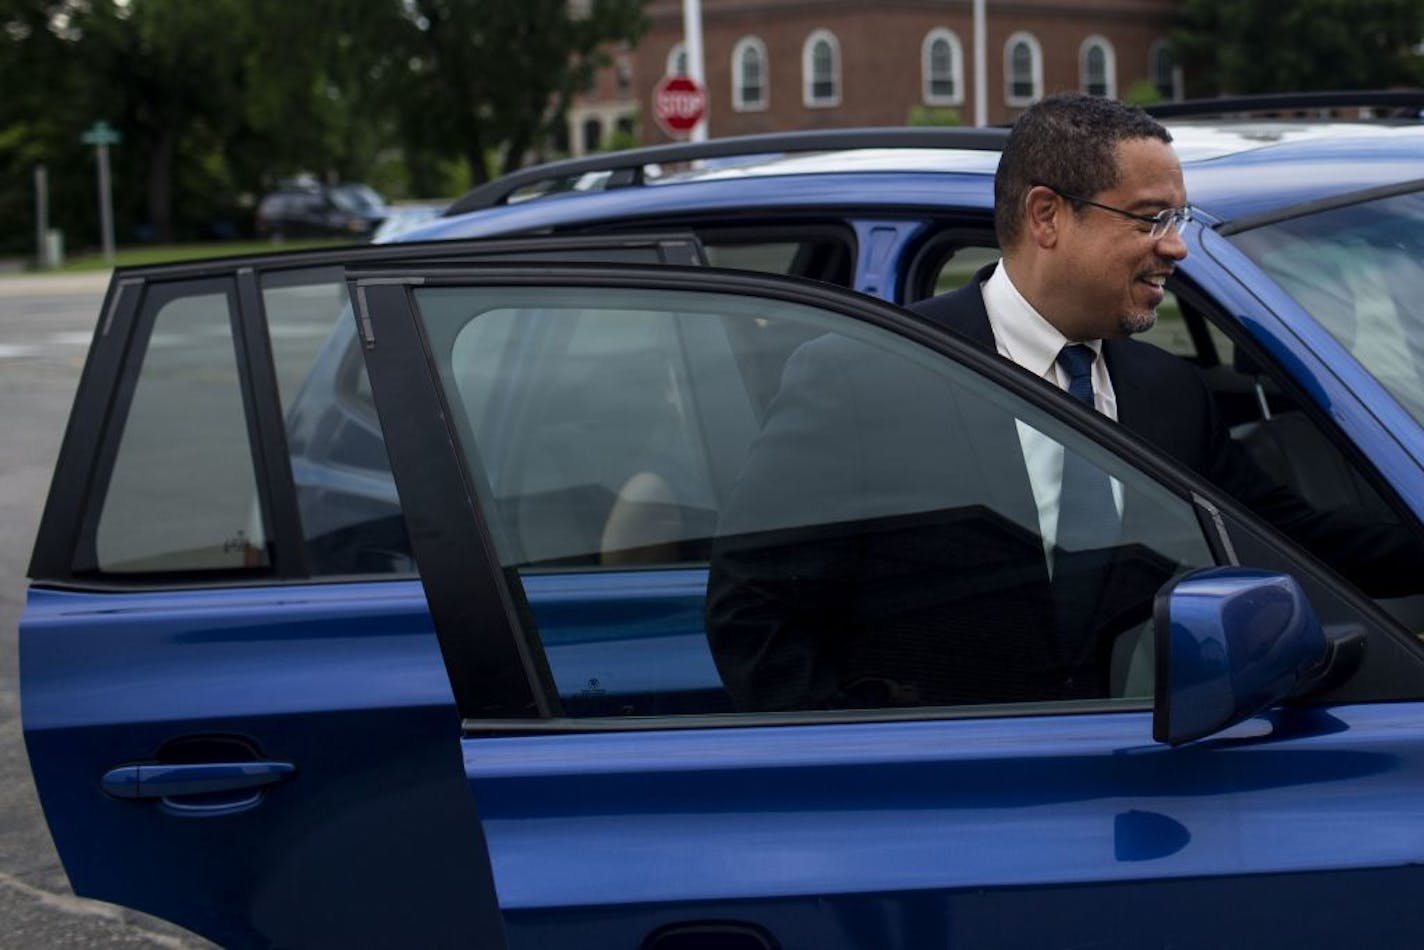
679, 103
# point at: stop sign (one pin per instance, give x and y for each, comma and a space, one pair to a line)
679, 103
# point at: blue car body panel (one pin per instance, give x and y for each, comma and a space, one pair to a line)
932, 816
346, 685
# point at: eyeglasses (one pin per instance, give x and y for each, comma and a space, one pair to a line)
1168, 219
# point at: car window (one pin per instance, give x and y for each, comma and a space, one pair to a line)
960, 263
1180, 332
350, 515
182, 492
1293, 446
827, 257
1359, 271
876, 504
351, 520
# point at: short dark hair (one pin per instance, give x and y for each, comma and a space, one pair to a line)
1068, 141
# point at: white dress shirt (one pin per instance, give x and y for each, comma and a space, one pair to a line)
1021, 334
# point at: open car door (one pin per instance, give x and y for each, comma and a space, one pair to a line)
744, 600
235, 709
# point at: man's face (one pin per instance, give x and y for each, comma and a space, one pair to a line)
1110, 270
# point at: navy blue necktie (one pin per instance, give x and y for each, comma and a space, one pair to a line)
1088, 522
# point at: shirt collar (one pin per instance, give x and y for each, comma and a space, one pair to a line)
1020, 332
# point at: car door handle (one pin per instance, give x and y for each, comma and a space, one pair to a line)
205, 778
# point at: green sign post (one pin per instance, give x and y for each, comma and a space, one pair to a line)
101, 135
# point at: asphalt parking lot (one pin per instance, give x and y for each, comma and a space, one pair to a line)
45, 326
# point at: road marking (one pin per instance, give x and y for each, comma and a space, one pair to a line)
14, 350
85, 908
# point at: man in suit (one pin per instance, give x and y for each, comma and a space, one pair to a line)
1088, 198
900, 536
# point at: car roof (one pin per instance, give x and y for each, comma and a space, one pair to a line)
1233, 168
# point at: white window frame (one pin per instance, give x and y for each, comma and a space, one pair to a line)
744, 45
678, 52
1109, 65
808, 76
956, 68
1035, 68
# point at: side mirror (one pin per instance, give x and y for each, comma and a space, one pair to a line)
1231, 642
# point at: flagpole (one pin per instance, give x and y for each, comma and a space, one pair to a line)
981, 71
692, 39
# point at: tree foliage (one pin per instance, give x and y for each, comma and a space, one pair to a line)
1257, 46
498, 75
219, 100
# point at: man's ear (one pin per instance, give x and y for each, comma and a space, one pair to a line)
1042, 211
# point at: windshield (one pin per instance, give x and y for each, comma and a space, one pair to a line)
1359, 270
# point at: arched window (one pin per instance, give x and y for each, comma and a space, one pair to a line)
1162, 70
677, 60
942, 66
1097, 68
1023, 69
592, 135
821, 70
749, 92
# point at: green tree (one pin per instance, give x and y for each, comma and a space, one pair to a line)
44, 110
1255, 46
170, 74
500, 74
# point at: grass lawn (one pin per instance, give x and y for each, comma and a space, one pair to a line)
169, 253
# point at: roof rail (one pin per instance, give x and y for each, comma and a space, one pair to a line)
1408, 102
626, 167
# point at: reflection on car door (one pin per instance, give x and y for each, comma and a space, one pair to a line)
880, 817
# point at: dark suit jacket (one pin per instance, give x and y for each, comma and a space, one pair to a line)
882, 548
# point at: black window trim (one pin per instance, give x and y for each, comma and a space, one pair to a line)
917, 278
1306, 208
267, 428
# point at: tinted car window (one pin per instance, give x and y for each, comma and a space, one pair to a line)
866, 502
350, 515
1359, 270
182, 495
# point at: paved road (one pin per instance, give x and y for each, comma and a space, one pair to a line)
45, 326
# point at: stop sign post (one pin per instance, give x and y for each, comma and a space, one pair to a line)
679, 103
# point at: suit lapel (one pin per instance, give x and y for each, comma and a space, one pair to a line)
1134, 408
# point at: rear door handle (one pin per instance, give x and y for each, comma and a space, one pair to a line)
205, 778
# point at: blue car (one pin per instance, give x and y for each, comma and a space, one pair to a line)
369, 605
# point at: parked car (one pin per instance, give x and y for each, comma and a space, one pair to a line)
406, 217
308, 209
248, 712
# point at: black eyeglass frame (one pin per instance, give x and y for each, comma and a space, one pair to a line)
1161, 222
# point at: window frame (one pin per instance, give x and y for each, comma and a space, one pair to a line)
1158, 53
1035, 69
809, 78
1100, 44
945, 35
755, 46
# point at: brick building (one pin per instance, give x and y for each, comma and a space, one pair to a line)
776, 65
